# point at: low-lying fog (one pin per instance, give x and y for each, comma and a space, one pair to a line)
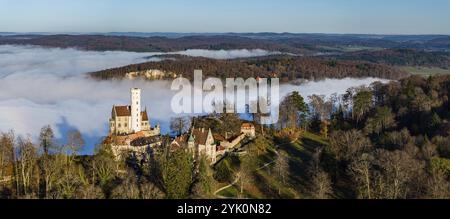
40, 86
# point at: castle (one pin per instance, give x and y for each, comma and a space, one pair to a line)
130, 132
200, 142
131, 119
130, 129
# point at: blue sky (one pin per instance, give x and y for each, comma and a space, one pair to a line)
300, 16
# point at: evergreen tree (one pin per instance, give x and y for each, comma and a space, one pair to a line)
178, 174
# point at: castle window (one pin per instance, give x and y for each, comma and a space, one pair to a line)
126, 125
120, 125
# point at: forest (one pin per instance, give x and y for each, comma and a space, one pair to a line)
147, 44
383, 141
287, 68
305, 44
401, 57
392, 143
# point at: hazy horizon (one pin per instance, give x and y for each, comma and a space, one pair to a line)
213, 33
404, 17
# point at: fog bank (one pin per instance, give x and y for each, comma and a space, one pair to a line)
41, 86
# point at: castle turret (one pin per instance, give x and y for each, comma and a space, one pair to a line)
136, 109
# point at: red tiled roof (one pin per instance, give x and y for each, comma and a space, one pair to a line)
180, 141
122, 139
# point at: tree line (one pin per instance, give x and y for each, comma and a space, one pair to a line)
47, 170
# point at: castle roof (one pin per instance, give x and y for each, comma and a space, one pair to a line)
191, 138
122, 110
144, 115
126, 111
219, 137
122, 140
179, 142
200, 135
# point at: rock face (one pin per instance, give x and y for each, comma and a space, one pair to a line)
151, 74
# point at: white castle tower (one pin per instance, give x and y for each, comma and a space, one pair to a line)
136, 109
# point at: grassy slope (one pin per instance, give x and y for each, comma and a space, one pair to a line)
266, 184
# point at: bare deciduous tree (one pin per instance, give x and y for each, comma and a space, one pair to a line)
246, 171
321, 185
321, 108
361, 170
75, 142
27, 158
397, 171
282, 168
128, 188
346, 144
6, 154
180, 125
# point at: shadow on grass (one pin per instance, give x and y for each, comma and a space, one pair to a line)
270, 189
267, 157
300, 156
265, 186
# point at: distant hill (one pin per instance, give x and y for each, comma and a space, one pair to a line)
287, 68
401, 57
305, 44
148, 44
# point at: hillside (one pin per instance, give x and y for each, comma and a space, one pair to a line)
400, 57
147, 44
266, 184
305, 44
286, 67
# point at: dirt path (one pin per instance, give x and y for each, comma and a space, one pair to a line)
226, 187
